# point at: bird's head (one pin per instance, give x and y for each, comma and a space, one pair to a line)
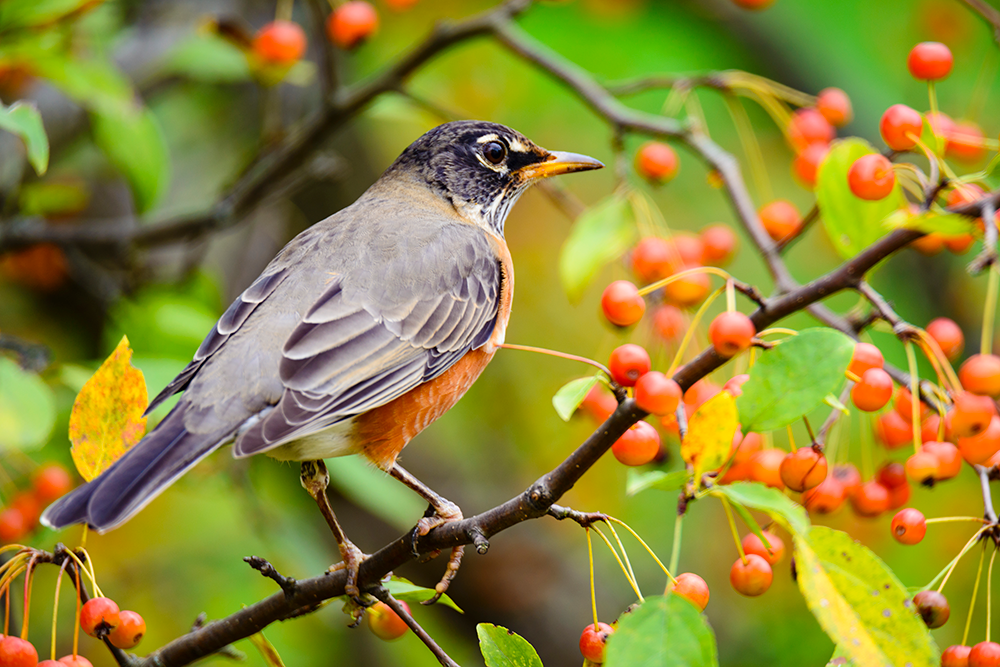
482, 168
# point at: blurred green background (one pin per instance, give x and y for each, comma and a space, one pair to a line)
182, 555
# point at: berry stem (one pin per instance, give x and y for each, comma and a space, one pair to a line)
90, 573
631, 581
675, 548
852, 376
283, 10
990, 310
689, 334
555, 353
951, 566
777, 330
791, 438
646, 546
55, 606
593, 594
27, 596
714, 270
942, 367
732, 527
932, 97
76, 617
911, 360
628, 564
975, 589
751, 147
949, 519
989, 593
730, 296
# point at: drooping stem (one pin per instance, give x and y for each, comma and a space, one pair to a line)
593, 593
675, 548
732, 527
975, 589
911, 359
626, 571
555, 353
990, 310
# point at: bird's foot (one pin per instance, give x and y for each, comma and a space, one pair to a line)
438, 514
353, 557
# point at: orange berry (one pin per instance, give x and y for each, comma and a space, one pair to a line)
808, 126
621, 303
980, 448
835, 106
385, 623
928, 244
638, 446
628, 363
871, 177
765, 467
280, 43
948, 456
599, 403
745, 446
692, 587
909, 526
657, 162
972, 414
865, 356
803, 469
873, 391
668, 322
892, 430
780, 219
688, 291
12, 525
901, 127
870, 499
805, 165
751, 578
933, 607
825, 498
657, 394
99, 616
922, 467
848, 475
731, 332
687, 249
930, 61
17, 652
75, 661
652, 259
966, 142
956, 656
130, 630
51, 482
351, 23
948, 336
593, 641
903, 405
719, 243
980, 374
754, 545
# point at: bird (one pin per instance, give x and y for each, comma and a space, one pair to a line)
362, 331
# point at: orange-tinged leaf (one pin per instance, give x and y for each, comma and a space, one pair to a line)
710, 434
107, 414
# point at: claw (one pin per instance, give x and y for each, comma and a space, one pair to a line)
353, 557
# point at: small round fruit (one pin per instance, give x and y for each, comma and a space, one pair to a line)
976, 449
657, 394
922, 467
899, 496
871, 177
599, 403
825, 498
12, 525
941, 123
719, 242
891, 475
653, 259
971, 415
865, 356
687, 249
385, 623
51, 482
805, 165
657, 162
948, 456
956, 656
280, 43
948, 336
75, 661
803, 469
765, 467
754, 545
909, 526
900, 127
688, 291
985, 654
731, 332
809, 126
870, 499
835, 106
621, 303
930, 61
99, 616
966, 143
351, 23
668, 322
780, 219
17, 652
628, 363
873, 391
980, 374
745, 446
932, 607
752, 578
130, 630
928, 244
692, 587
638, 445
594, 640
51, 663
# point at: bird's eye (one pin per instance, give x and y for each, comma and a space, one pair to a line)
495, 152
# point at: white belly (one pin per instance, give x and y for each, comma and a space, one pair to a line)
326, 444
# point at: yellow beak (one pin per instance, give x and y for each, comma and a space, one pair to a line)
560, 163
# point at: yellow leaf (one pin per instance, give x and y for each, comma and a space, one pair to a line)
267, 650
710, 434
107, 414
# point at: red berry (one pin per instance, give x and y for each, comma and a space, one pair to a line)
971, 415
966, 142
929, 61
808, 126
805, 166
928, 244
979, 448
731, 332
599, 403
657, 394
803, 469
689, 585
753, 5
51, 663
638, 446
385, 623
622, 304
668, 322
400, 5
688, 291
280, 42
75, 661
848, 475
16, 652
594, 640
51, 481
628, 363
99, 616
932, 607
835, 106
780, 219
657, 162
130, 630
909, 526
653, 259
699, 392
752, 578
765, 467
948, 336
903, 405
865, 356
719, 243
870, 499
901, 127
825, 498
980, 374
687, 250
873, 391
948, 457
754, 545
956, 656
899, 496
351, 23
745, 446
941, 123
922, 467
871, 177
891, 475
12, 525
985, 654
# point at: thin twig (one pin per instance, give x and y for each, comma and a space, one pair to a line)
386, 597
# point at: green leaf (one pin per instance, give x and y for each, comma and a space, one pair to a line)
27, 408
636, 480
794, 378
23, 120
370, 488
852, 223
949, 224
53, 197
601, 234
859, 602
571, 395
96, 84
406, 590
134, 143
839, 658
777, 505
207, 58
504, 648
666, 631
709, 437
835, 403
32, 13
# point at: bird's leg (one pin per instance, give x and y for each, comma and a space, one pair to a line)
444, 511
315, 479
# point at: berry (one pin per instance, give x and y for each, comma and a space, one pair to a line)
638, 446
922, 467
719, 243
966, 142
622, 304
873, 391
280, 43
745, 446
803, 469
900, 127
699, 392
655, 161
130, 630
948, 457
400, 5
929, 429
808, 126
956, 656
909, 526
385, 623
99, 616
753, 5
971, 415
932, 607
928, 244
865, 356
980, 448
825, 498
351, 23
980, 374
16, 652
848, 475
599, 403
51, 481
687, 250
941, 124
652, 259
835, 106
751, 578
871, 177
929, 61
628, 363
899, 496
805, 166
594, 640
657, 394
731, 332
948, 336
891, 475
754, 545
780, 219
985, 654
12, 525
688, 291
51, 663
903, 405
765, 467
75, 661
668, 322
870, 499
689, 585
959, 244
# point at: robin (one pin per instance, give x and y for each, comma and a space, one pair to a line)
363, 330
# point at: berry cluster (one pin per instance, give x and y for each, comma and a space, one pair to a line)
20, 517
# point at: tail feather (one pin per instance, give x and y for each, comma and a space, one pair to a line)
143, 473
